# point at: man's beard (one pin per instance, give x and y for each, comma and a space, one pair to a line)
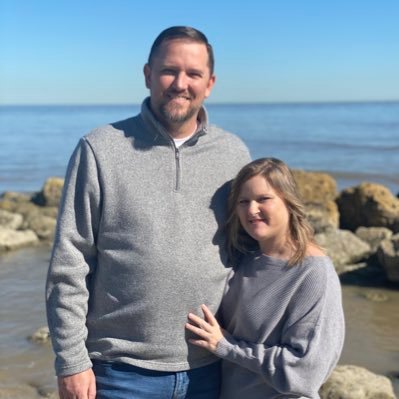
173, 113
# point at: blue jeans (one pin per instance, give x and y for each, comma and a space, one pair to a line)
123, 381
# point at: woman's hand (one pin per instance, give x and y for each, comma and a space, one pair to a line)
208, 330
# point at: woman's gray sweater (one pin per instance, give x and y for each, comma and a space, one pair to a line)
286, 325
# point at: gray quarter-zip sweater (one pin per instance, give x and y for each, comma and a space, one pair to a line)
139, 244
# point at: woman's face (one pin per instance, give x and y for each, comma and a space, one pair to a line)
262, 212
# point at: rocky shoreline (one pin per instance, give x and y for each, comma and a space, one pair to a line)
358, 227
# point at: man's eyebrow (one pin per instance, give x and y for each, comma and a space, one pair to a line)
196, 70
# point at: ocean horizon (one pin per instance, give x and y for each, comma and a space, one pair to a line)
352, 141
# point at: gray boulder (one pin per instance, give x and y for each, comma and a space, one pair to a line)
370, 205
12, 239
51, 192
323, 217
388, 256
10, 201
315, 187
16, 197
318, 192
23, 208
343, 247
373, 236
353, 382
10, 220
43, 226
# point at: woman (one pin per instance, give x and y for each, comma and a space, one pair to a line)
282, 310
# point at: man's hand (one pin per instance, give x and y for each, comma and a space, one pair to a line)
207, 329
78, 386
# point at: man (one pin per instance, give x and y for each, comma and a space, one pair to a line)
139, 242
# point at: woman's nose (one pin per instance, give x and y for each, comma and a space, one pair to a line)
253, 208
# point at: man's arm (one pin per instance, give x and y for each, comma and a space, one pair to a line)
73, 259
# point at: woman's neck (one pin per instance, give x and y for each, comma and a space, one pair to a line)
280, 249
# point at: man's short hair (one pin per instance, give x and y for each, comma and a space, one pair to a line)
184, 33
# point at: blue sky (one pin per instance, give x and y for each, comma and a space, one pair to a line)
79, 52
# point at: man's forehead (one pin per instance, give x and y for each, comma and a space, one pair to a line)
169, 49
165, 45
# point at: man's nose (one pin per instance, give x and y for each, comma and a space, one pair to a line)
180, 82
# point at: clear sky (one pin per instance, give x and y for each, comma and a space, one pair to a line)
93, 51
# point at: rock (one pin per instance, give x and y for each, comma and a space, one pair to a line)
367, 274
43, 226
41, 220
369, 205
315, 187
10, 220
50, 211
23, 208
352, 382
12, 239
388, 256
10, 200
373, 236
323, 217
352, 267
16, 197
51, 192
375, 296
318, 192
343, 247
41, 335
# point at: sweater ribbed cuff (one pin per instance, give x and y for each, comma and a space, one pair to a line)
224, 347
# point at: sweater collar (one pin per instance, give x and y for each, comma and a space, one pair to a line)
160, 133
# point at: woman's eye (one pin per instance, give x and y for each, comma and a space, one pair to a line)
263, 199
242, 202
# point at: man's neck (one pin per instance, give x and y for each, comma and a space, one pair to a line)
182, 130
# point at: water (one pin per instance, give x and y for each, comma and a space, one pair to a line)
372, 340
354, 142
22, 312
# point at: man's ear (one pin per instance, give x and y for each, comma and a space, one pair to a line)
147, 75
210, 85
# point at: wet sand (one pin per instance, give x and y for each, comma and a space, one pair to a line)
372, 339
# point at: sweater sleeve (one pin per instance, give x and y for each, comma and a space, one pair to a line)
310, 346
73, 260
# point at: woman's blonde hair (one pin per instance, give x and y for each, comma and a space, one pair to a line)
279, 176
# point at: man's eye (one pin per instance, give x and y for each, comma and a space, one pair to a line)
168, 72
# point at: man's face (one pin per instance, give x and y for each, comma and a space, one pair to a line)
179, 80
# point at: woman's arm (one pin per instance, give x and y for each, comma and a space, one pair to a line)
308, 350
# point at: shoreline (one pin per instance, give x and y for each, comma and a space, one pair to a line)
343, 180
